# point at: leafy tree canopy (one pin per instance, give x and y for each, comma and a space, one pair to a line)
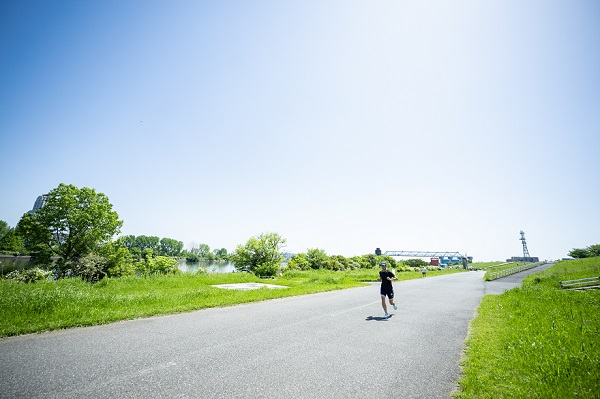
261, 254
204, 250
299, 261
170, 247
141, 246
591, 251
220, 253
579, 253
148, 242
317, 258
10, 241
72, 223
4, 228
594, 250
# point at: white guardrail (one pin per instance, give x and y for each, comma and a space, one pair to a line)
581, 284
513, 270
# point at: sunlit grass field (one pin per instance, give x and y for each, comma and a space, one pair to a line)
536, 341
48, 305
487, 265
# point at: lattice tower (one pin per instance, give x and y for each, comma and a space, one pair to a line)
525, 250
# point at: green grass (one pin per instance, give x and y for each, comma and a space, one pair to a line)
536, 341
373, 274
501, 267
45, 305
486, 265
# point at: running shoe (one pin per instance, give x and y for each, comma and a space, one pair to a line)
395, 307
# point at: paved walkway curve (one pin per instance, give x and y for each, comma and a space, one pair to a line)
327, 345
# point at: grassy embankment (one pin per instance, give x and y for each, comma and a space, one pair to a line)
536, 341
490, 265
48, 305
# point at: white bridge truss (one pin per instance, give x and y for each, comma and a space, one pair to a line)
425, 254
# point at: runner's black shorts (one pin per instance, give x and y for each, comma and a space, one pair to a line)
389, 292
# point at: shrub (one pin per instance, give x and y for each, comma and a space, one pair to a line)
158, 265
28, 275
119, 263
317, 258
415, 263
298, 262
266, 270
259, 250
164, 265
353, 264
337, 262
192, 257
91, 267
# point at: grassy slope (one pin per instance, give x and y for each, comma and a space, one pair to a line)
536, 341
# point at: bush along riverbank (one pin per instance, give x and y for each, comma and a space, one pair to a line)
536, 341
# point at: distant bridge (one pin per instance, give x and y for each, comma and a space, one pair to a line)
425, 254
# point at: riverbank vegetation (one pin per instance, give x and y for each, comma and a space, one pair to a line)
536, 341
588, 252
71, 231
70, 302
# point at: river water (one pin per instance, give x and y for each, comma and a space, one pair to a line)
9, 263
209, 266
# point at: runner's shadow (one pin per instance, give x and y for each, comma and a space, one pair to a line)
377, 318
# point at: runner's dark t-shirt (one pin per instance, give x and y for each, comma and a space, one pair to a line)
386, 285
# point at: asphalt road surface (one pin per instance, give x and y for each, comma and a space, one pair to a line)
327, 345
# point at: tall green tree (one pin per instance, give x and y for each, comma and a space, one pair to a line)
594, 250
579, 253
126, 242
10, 241
170, 247
204, 251
72, 223
261, 255
148, 242
220, 253
4, 228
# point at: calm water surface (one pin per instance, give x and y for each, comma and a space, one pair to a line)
9, 263
209, 266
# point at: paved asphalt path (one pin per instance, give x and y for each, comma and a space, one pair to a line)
327, 345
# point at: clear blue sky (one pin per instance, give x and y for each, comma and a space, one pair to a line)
341, 125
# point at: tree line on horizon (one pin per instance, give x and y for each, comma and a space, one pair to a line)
140, 247
588, 252
72, 235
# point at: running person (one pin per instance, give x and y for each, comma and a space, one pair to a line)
386, 277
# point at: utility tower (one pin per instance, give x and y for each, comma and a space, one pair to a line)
525, 250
